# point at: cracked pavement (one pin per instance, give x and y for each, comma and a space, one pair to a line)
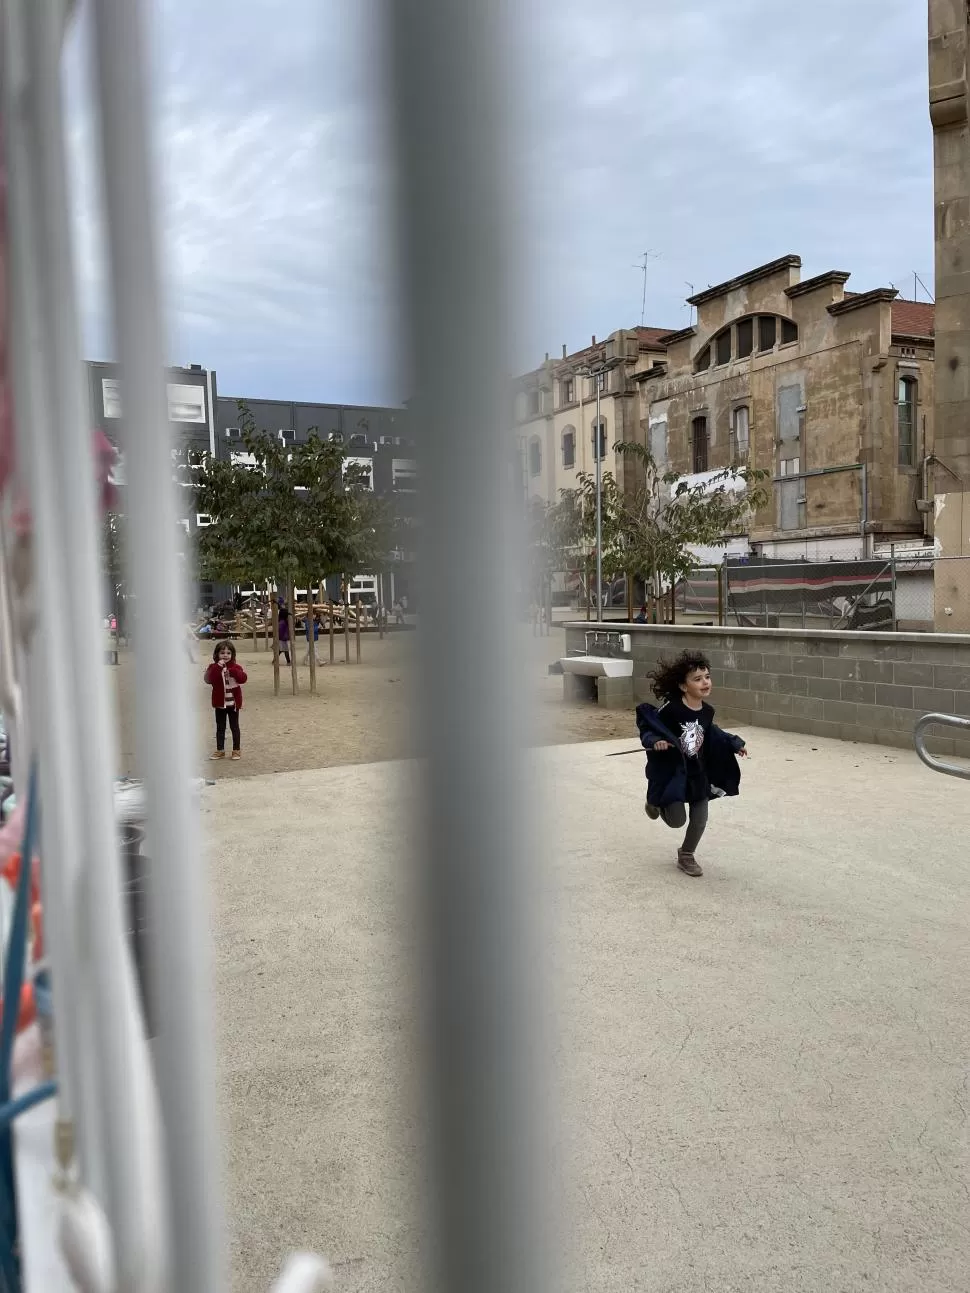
762, 1075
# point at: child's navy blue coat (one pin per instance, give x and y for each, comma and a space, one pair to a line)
667, 769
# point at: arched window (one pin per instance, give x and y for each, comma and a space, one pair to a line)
569, 448
535, 456
906, 421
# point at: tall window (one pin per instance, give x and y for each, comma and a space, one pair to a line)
745, 338
767, 332
740, 435
703, 360
789, 332
906, 421
724, 347
699, 443
535, 456
568, 390
599, 439
569, 448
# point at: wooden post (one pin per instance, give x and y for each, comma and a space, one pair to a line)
291, 601
267, 628
380, 607
358, 630
629, 598
720, 592
311, 626
330, 619
274, 616
346, 605
252, 607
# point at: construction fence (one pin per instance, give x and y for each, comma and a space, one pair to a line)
903, 592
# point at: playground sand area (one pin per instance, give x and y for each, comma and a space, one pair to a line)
360, 714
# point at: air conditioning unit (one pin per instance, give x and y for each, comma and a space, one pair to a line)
233, 433
287, 435
924, 505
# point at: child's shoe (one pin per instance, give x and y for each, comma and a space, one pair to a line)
652, 813
217, 754
237, 754
688, 863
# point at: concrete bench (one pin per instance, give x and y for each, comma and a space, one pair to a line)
605, 679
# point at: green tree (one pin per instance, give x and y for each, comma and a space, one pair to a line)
651, 530
290, 513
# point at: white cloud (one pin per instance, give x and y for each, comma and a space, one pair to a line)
721, 135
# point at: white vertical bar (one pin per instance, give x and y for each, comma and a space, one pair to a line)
179, 906
448, 109
87, 719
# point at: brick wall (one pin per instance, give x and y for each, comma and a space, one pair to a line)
851, 686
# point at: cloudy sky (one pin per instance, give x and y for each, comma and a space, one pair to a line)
718, 134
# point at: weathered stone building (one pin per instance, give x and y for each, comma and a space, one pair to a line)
555, 409
830, 392
949, 39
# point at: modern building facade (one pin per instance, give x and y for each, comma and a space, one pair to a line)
829, 392
205, 422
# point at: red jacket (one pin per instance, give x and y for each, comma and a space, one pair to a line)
213, 676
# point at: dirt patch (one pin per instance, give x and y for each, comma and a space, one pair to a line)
361, 713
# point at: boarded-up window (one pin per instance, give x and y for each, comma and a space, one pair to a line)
789, 332
791, 493
658, 442
767, 332
745, 338
740, 434
569, 448
724, 347
699, 443
535, 456
906, 421
599, 441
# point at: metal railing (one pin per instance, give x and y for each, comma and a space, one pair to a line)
933, 761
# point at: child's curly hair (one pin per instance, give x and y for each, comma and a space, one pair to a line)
669, 676
218, 647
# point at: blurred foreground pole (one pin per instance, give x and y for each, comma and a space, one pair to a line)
450, 59
179, 912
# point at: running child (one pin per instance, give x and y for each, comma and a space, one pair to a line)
690, 760
226, 679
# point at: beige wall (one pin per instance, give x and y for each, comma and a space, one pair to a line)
847, 371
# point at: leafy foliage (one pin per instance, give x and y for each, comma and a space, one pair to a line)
288, 512
651, 530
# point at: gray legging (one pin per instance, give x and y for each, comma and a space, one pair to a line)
675, 815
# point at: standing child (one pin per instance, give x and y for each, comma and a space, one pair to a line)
226, 679
689, 759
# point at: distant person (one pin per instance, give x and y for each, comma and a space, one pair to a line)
690, 761
642, 617
398, 612
226, 679
237, 601
316, 638
284, 629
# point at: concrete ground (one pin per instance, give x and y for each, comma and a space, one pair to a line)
762, 1073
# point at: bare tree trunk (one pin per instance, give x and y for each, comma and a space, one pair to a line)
329, 617
629, 596
358, 630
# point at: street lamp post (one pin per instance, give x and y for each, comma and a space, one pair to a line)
597, 456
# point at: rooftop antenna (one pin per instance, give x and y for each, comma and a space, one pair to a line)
917, 279
689, 306
648, 256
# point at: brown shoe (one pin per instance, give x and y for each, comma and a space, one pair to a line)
217, 754
688, 863
237, 754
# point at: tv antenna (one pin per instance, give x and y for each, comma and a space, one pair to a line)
643, 265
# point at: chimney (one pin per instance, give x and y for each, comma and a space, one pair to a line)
594, 338
547, 356
564, 350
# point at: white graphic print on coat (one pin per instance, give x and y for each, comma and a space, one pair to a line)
691, 738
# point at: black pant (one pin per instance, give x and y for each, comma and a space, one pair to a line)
285, 650
221, 716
